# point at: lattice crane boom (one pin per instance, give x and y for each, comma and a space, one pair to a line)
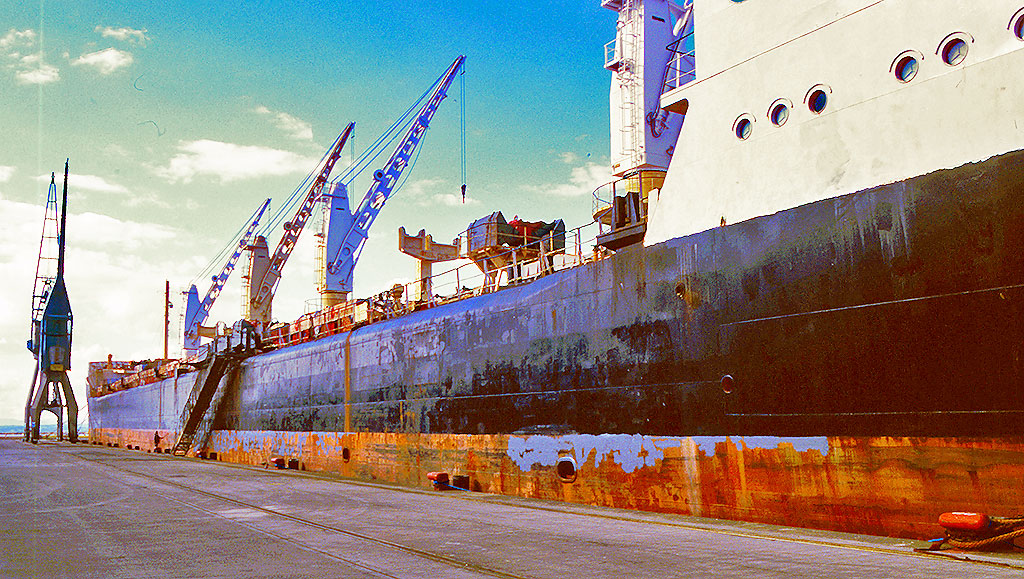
261, 293
45, 265
196, 312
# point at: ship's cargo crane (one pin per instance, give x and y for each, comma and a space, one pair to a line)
196, 312
348, 230
50, 341
265, 272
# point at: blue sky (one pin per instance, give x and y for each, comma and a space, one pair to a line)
180, 118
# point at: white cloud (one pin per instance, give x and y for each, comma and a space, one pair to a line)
569, 158
16, 38
425, 192
116, 150
296, 128
124, 34
582, 181
6, 172
28, 68
78, 182
45, 74
89, 183
106, 61
138, 200
455, 199
420, 187
104, 230
231, 162
115, 277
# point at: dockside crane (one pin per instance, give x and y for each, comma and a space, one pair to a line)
197, 311
348, 230
50, 339
265, 270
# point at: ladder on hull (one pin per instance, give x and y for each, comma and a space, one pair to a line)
203, 401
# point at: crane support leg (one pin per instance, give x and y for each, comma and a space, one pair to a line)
28, 406
41, 401
72, 407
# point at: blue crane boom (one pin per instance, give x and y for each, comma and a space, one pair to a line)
343, 254
196, 312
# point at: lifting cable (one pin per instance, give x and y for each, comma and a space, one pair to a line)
296, 197
358, 165
220, 259
462, 125
384, 141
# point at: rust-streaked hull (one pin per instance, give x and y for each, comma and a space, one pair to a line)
879, 486
879, 333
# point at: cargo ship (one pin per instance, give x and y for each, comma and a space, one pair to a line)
803, 304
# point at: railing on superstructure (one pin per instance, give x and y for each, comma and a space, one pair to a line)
601, 204
630, 191
612, 55
682, 65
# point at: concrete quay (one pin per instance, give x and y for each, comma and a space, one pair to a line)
91, 511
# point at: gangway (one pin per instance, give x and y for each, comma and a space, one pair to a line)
224, 358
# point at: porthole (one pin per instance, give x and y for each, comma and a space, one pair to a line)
743, 127
953, 48
727, 384
954, 52
818, 101
906, 69
566, 469
817, 98
1017, 24
778, 113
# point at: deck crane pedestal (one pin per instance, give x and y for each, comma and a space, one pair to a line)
347, 236
427, 252
196, 312
50, 341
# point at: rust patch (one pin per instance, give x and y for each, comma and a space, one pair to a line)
879, 486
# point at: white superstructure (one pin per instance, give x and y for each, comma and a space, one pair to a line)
800, 100
642, 134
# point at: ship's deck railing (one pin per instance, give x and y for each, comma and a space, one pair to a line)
601, 201
467, 279
682, 65
113, 375
521, 265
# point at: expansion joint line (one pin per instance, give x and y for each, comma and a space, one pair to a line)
383, 542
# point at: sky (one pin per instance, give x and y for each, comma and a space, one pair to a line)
179, 119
